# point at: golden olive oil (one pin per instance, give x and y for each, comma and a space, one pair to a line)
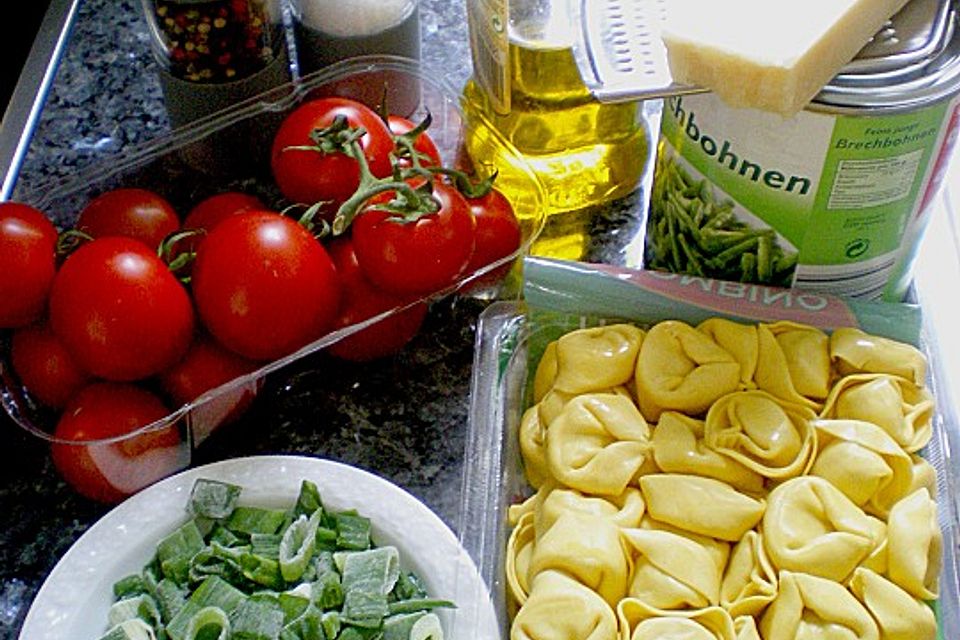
584, 152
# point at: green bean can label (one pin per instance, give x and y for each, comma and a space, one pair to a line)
835, 202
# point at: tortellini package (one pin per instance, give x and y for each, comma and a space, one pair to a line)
726, 481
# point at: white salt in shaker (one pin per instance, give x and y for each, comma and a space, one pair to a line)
332, 30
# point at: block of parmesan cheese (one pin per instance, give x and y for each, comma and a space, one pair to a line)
774, 55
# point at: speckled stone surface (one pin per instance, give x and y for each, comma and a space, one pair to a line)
404, 418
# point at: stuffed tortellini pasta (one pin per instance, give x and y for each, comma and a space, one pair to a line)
679, 447
598, 443
771, 437
559, 608
897, 405
594, 359
682, 369
701, 505
915, 545
854, 351
586, 548
810, 526
864, 462
673, 571
809, 607
794, 362
517, 565
553, 500
740, 341
640, 621
899, 615
749, 581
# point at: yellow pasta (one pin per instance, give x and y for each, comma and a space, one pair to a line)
598, 443
586, 548
553, 500
915, 545
702, 505
897, 405
682, 369
560, 608
740, 341
679, 447
729, 481
771, 437
640, 621
672, 571
812, 608
807, 352
810, 526
854, 351
750, 581
899, 615
864, 462
596, 358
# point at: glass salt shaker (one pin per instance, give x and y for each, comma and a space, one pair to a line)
327, 31
214, 53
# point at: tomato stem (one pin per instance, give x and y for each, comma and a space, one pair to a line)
408, 205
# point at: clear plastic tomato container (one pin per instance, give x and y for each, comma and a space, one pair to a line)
230, 150
562, 296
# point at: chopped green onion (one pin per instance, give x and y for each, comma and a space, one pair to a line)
209, 623
213, 499
248, 520
177, 550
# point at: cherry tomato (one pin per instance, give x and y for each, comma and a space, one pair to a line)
423, 145
44, 366
132, 213
119, 310
498, 230
109, 472
310, 176
207, 213
362, 301
421, 256
264, 286
28, 244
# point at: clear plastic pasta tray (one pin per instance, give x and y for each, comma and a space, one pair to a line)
560, 297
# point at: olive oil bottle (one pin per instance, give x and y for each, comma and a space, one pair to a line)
527, 90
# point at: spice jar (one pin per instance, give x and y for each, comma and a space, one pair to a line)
214, 53
328, 31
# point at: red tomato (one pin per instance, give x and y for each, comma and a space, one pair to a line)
421, 256
362, 301
133, 213
109, 472
44, 366
210, 211
423, 145
264, 286
309, 176
119, 310
498, 230
28, 245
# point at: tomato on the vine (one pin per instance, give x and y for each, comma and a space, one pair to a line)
44, 365
421, 255
264, 286
28, 245
313, 175
498, 229
110, 471
134, 213
423, 144
362, 301
119, 310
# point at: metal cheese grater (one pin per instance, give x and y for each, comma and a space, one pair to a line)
621, 56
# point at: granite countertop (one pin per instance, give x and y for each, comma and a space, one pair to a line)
404, 418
